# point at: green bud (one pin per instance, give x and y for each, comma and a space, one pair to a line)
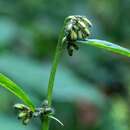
76, 28
45, 103
20, 107
80, 35
86, 32
26, 121
73, 35
22, 115
86, 21
38, 112
81, 24
69, 26
48, 111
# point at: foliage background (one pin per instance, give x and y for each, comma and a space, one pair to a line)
92, 87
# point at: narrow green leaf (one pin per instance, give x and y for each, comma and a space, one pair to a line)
107, 45
54, 118
15, 89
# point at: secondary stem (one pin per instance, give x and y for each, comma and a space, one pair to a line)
59, 49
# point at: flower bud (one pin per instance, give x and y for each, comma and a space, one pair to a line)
69, 26
73, 35
38, 112
80, 36
81, 24
45, 103
76, 28
48, 111
20, 106
22, 115
86, 32
86, 21
26, 121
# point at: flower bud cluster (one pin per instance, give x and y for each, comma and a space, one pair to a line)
77, 28
26, 114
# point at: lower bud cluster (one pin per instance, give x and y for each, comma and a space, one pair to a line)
25, 114
76, 29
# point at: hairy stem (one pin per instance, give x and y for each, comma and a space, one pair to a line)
59, 49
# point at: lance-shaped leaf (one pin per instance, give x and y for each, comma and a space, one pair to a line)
107, 46
15, 89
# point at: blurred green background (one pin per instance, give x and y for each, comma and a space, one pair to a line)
91, 88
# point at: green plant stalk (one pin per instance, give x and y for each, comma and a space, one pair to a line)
45, 123
57, 56
58, 53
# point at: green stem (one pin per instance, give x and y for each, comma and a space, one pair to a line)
59, 49
45, 123
53, 70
